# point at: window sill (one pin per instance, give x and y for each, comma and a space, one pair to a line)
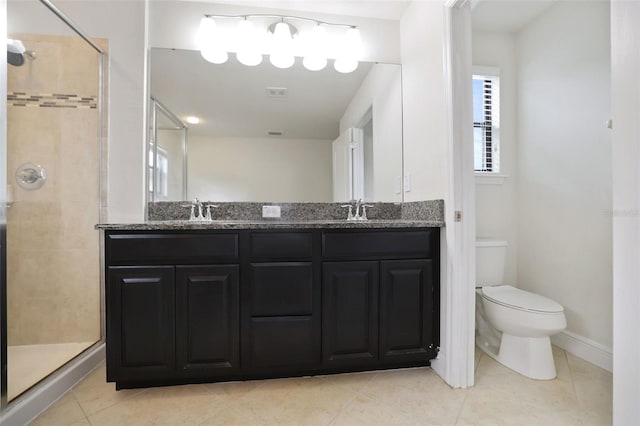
490, 178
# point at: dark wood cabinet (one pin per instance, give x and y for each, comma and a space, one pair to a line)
350, 313
406, 310
205, 305
207, 320
140, 327
281, 320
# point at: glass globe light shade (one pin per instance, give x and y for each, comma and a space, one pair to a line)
248, 51
314, 63
214, 55
353, 44
345, 65
281, 52
208, 39
315, 59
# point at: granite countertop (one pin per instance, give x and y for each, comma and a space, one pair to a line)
270, 224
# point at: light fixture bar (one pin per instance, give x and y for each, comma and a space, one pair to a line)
281, 43
300, 18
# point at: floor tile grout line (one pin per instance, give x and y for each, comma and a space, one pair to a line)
464, 401
344, 406
75, 398
573, 382
142, 391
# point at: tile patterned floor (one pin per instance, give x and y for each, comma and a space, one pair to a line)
581, 395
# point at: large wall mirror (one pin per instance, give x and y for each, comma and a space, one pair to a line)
270, 134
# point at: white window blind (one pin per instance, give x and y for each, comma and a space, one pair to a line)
486, 123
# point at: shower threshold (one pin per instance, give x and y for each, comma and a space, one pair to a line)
29, 364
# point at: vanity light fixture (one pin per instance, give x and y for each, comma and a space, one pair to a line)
248, 49
351, 49
282, 46
209, 41
316, 59
281, 41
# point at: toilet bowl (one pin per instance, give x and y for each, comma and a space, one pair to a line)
513, 325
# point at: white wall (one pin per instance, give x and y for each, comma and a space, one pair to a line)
123, 24
424, 100
260, 169
564, 164
381, 91
625, 42
496, 204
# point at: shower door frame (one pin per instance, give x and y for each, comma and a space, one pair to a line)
152, 147
102, 151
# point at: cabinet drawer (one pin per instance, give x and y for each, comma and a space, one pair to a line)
282, 342
383, 244
283, 288
281, 245
156, 248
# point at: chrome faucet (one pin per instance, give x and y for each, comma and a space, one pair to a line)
198, 204
197, 215
350, 214
359, 204
207, 218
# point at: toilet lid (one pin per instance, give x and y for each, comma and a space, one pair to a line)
519, 299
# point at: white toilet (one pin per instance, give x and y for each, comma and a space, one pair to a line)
512, 325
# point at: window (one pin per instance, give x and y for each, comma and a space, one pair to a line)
161, 173
486, 122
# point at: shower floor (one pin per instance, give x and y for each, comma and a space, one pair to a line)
28, 364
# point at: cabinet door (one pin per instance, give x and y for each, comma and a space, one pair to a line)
349, 313
140, 331
406, 310
207, 320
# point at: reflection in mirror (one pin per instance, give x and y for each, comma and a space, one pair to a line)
284, 135
167, 155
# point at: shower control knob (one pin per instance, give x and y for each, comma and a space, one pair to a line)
30, 176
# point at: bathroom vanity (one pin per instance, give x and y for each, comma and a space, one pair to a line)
227, 300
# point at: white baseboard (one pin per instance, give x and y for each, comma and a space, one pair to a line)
28, 406
584, 348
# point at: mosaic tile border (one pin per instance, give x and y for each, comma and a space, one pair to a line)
52, 100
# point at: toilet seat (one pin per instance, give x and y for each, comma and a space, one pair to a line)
515, 298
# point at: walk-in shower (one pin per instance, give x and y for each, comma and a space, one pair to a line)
52, 168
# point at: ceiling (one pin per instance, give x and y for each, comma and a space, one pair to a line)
508, 16
231, 99
378, 9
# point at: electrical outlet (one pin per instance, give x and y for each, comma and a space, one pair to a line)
270, 211
407, 182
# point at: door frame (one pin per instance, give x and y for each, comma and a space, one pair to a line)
455, 362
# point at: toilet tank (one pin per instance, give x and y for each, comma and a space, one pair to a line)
490, 261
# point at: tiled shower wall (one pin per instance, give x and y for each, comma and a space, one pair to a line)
53, 276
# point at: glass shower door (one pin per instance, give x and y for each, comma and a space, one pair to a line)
53, 291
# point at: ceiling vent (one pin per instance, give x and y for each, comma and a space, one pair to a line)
277, 92
274, 133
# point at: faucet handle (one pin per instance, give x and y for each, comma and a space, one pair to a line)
192, 216
364, 211
208, 214
350, 214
